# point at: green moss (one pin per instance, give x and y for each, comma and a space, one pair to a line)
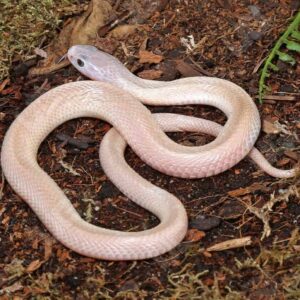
24, 25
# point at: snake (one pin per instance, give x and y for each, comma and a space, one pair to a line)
117, 96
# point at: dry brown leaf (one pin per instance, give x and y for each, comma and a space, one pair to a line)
296, 248
208, 281
35, 243
194, 235
47, 248
3, 84
147, 8
150, 74
293, 155
40, 52
5, 220
12, 289
82, 30
2, 116
207, 254
34, 265
107, 44
175, 263
186, 70
123, 31
250, 189
149, 57
63, 255
282, 162
269, 127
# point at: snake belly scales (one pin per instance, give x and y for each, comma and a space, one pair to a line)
117, 96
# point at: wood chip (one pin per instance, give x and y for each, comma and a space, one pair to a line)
47, 248
269, 127
3, 84
194, 235
123, 31
34, 265
248, 190
296, 248
231, 244
282, 162
2, 116
40, 52
293, 155
186, 70
150, 74
149, 57
17, 286
280, 98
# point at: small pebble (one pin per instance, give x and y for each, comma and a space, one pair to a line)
203, 222
255, 11
255, 35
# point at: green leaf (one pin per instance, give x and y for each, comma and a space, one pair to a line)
273, 67
286, 57
267, 74
268, 88
291, 45
296, 35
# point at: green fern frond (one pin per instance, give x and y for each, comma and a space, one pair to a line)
290, 40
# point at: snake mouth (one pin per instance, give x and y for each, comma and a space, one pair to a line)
70, 53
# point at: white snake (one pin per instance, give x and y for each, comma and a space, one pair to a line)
121, 106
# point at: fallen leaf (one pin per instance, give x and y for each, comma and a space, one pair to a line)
63, 255
293, 155
149, 57
13, 288
296, 248
208, 281
87, 260
47, 248
250, 189
269, 127
147, 8
3, 84
282, 162
78, 31
34, 265
123, 31
5, 220
40, 52
107, 44
175, 262
194, 235
150, 74
186, 70
207, 254
35, 243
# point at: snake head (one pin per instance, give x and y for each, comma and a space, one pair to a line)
96, 64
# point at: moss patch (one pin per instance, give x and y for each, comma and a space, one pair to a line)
24, 24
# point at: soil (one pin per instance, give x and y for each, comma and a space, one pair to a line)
232, 38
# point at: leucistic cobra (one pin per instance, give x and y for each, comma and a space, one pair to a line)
134, 124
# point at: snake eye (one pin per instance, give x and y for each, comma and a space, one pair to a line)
80, 62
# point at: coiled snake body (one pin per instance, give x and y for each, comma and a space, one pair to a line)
122, 107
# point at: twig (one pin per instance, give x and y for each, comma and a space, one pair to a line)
279, 97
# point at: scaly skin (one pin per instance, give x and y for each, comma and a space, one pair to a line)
134, 124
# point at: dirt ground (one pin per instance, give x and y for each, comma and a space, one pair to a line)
222, 38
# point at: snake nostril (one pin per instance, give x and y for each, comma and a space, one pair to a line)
80, 62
